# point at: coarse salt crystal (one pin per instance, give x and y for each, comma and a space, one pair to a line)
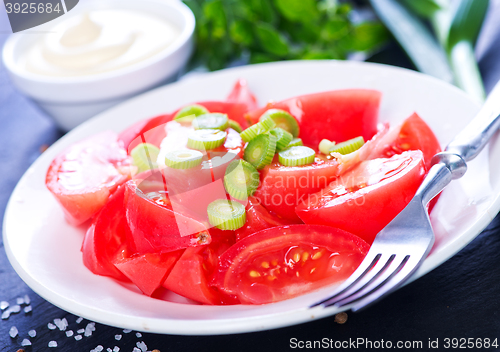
6, 314
26, 342
78, 337
62, 324
69, 333
13, 332
99, 348
15, 309
89, 328
27, 309
80, 331
116, 349
27, 299
118, 337
126, 331
109, 350
139, 335
52, 343
142, 346
136, 349
20, 300
51, 326
79, 320
32, 333
4, 305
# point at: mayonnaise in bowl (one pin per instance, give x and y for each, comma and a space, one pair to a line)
99, 41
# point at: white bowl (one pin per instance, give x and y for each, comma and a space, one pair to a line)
72, 100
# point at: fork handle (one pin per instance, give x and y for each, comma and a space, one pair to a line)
468, 143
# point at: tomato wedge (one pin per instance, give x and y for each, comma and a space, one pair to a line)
412, 134
365, 199
242, 94
148, 271
108, 238
83, 176
155, 226
258, 218
336, 115
190, 277
283, 262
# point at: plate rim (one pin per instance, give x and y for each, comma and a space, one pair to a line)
224, 326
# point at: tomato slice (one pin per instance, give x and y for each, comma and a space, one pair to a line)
283, 262
242, 94
148, 271
154, 224
336, 115
365, 199
83, 176
258, 218
190, 277
108, 238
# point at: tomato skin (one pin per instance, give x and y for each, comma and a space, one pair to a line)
191, 275
336, 115
262, 268
155, 225
242, 94
365, 199
83, 177
107, 238
258, 218
282, 188
412, 134
148, 271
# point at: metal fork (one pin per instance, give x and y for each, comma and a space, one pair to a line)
400, 248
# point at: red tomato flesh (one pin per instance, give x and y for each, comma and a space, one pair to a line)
83, 177
365, 199
191, 274
336, 115
148, 271
258, 218
283, 262
155, 226
108, 238
242, 94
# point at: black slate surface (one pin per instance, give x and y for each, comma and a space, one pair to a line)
459, 299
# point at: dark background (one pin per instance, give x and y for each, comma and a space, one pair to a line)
459, 299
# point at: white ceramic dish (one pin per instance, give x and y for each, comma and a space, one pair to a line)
72, 100
45, 251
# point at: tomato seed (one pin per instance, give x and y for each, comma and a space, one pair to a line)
305, 256
316, 255
254, 273
265, 265
296, 257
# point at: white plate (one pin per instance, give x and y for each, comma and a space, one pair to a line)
45, 251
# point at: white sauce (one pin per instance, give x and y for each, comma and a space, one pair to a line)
99, 41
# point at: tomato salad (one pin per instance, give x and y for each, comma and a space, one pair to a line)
223, 202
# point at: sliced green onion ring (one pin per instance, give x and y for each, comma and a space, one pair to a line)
283, 138
145, 156
257, 129
241, 179
260, 151
283, 120
226, 214
206, 139
216, 121
235, 126
297, 156
349, 146
183, 159
194, 109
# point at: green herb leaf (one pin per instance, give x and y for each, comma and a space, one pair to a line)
241, 32
298, 10
271, 40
